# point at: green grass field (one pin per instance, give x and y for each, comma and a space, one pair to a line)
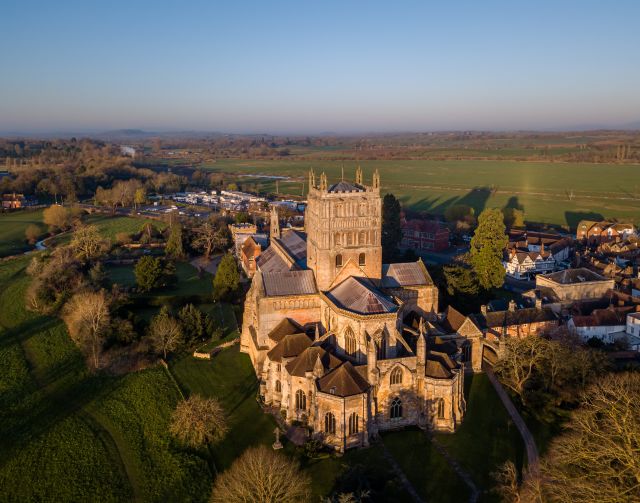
12, 227
555, 193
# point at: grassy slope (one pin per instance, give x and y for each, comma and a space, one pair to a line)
540, 187
83, 437
12, 227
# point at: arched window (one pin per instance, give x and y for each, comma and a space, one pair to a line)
329, 423
396, 376
301, 400
278, 387
440, 408
350, 345
338, 260
396, 408
362, 261
354, 424
381, 352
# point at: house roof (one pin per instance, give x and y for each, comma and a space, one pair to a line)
610, 316
306, 361
249, 247
360, 296
271, 261
344, 186
289, 283
286, 327
524, 316
571, 276
290, 346
405, 274
343, 381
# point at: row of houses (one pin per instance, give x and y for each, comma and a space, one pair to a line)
603, 231
530, 253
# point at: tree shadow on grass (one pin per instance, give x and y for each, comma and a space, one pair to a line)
573, 218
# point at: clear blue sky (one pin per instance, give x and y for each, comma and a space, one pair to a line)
313, 66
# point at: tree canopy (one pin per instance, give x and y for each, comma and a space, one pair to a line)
487, 249
391, 227
226, 282
198, 421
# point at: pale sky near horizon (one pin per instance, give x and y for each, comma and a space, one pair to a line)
309, 67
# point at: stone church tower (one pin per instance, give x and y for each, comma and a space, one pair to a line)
343, 223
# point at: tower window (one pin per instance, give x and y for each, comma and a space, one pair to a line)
440, 408
338, 260
362, 260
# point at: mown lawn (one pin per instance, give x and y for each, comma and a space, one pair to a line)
487, 437
12, 228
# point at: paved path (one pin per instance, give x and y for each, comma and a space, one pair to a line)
400, 474
527, 437
210, 265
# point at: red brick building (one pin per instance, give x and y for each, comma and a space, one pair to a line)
424, 235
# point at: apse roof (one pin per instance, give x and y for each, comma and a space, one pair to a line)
360, 296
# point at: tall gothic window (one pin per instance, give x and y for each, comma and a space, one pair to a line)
396, 376
381, 352
396, 408
338, 260
354, 424
278, 387
350, 345
301, 400
440, 408
330, 423
362, 260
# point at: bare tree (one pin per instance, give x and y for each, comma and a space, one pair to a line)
198, 421
208, 238
598, 458
519, 361
261, 475
87, 242
165, 332
87, 318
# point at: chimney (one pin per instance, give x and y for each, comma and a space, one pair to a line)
512, 305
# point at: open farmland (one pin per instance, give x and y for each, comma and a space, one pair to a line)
549, 192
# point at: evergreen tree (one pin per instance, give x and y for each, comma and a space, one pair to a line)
174, 246
226, 282
148, 272
195, 324
391, 227
487, 249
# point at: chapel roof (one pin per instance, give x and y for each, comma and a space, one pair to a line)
360, 296
289, 346
306, 361
286, 326
343, 381
289, 283
405, 274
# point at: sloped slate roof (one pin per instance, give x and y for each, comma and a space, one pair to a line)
343, 186
495, 319
289, 283
453, 320
360, 296
286, 327
405, 274
270, 261
570, 276
295, 243
307, 360
290, 346
343, 381
439, 365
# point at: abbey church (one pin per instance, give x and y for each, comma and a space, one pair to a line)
344, 343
